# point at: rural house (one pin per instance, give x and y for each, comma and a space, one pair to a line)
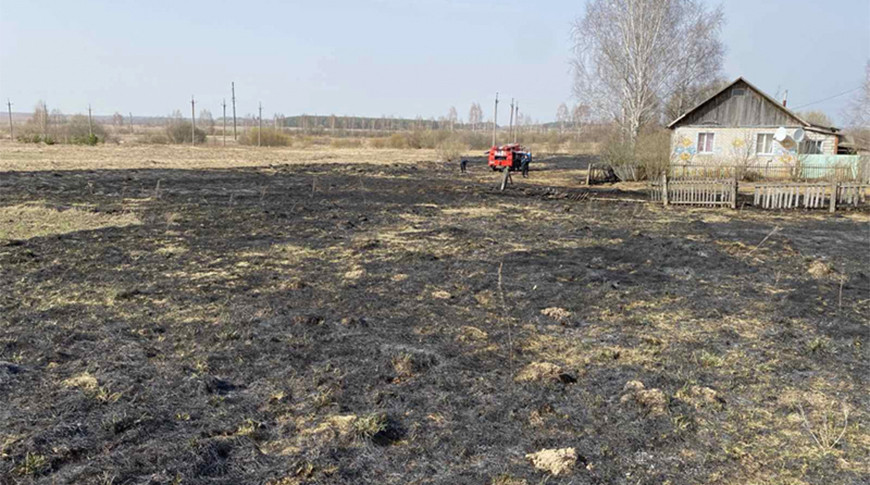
738, 126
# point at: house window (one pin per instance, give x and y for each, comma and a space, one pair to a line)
738, 92
764, 144
705, 142
811, 147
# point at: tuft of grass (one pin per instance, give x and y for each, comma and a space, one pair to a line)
33, 464
367, 427
709, 359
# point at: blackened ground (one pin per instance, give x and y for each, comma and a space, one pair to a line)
256, 318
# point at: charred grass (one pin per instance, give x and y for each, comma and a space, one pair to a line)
344, 324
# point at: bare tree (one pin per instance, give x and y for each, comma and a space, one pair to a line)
562, 117
818, 118
857, 114
687, 97
630, 55
40, 118
452, 116
206, 121
118, 120
475, 116
579, 116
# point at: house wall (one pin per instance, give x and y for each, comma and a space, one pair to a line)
735, 146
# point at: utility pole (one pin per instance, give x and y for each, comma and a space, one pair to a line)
9, 106
192, 121
511, 129
517, 118
234, 111
495, 120
90, 125
224, 104
259, 124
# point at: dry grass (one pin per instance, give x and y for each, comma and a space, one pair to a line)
31, 220
29, 157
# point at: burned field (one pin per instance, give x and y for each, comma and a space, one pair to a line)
399, 324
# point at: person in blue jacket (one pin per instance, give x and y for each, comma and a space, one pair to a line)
524, 165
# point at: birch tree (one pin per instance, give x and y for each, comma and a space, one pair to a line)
475, 116
857, 113
631, 55
562, 117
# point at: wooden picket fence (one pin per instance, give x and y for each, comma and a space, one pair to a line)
701, 192
809, 195
778, 195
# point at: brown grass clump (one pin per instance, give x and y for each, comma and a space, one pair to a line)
653, 400
820, 270
556, 313
82, 381
539, 371
701, 397
555, 461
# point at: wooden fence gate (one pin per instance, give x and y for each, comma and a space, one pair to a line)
701, 192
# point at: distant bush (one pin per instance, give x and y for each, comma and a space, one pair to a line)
345, 143
179, 131
29, 137
269, 137
159, 138
450, 150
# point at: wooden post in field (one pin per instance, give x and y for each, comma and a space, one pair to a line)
90, 125
234, 111
224, 105
511, 125
259, 124
9, 107
665, 188
495, 120
734, 190
834, 186
192, 121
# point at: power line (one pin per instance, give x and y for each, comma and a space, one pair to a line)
828, 98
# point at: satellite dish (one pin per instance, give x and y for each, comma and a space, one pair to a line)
781, 134
799, 135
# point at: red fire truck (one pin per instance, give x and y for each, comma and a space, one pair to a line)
507, 156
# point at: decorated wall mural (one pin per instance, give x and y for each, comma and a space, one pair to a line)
684, 150
784, 155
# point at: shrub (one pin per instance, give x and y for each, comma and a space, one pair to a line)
268, 137
29, 138
179, 132
450, 150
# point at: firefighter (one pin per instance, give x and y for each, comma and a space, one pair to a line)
462, 165
527, 158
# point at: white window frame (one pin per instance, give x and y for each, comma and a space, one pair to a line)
708, 135
759, 144
817, 143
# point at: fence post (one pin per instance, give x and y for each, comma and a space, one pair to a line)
734, 190
833, 206
665, 188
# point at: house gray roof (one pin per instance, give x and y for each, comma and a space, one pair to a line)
789, 113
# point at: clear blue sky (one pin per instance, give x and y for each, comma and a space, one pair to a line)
376, 57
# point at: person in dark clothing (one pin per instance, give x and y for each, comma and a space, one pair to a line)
527, 158
462, 165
